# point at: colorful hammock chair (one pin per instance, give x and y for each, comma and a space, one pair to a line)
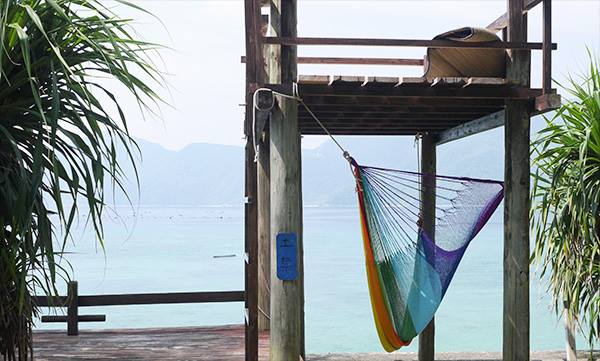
408, 270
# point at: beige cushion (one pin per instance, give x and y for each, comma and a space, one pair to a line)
454, 62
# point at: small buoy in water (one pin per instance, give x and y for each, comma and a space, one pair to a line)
224, 256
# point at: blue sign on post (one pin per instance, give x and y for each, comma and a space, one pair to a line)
287, 261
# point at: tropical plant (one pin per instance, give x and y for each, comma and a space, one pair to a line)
566, 201
61, 129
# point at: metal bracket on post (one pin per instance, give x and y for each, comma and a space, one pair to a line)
264, 102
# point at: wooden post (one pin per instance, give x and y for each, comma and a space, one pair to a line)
253, 75
287, 296
428, 166
264, 204
570, 337
516, 203
264, 231
72, 309
547, 50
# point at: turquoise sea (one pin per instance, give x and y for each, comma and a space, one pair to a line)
166, 249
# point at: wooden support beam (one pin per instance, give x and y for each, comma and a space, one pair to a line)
400, 109
266, 101
264, 228
161, 298
373, 130
502, 22
72, 309
400, 81
383, 101
516, 234
360, 61
547, 52
370, 131
547, 102
390, 117
81, 318
428, 167
516, 332
413, 91
254, 74
482, 124
142, 299
286, 217
472, 113
355, 61
440, 44
51, 301
287, 296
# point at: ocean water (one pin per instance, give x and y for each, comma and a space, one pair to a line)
173, 250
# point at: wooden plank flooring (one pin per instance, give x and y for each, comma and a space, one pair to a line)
184, 343
219, 343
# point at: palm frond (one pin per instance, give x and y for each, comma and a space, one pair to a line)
565, 201
61, 144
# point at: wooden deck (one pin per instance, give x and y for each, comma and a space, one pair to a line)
184, 343
221, 343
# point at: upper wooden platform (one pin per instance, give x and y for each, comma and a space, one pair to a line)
449, 107
349, 105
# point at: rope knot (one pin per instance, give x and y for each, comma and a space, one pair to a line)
420, 221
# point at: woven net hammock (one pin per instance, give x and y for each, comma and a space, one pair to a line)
409, 270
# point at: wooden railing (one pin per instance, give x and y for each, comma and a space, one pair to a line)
499, 24
72, 301
355, 61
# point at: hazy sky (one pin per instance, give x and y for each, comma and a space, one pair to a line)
206, 40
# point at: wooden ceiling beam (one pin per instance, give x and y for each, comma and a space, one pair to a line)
393, 112
371, 90
380, 117
349, 101
340, 111
423, 123
410, 132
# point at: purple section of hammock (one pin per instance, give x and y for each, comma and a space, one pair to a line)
446, 262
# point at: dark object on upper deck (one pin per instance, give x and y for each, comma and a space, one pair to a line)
467, 62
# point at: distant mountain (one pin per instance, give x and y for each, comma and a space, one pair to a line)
210, 174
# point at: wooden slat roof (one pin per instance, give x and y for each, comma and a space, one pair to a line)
358, 105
